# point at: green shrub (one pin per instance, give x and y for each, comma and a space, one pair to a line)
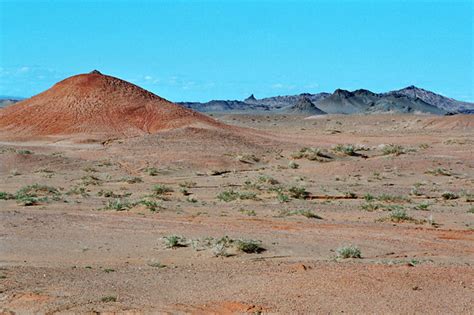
118, 205
282, 197
439, 172
447, 195
160, 189
268, 180
393, 149
368, 197
298, 192
293, 165
399, 215
109, 298
152, 171
422, 206
33, 194
91, 180
347, 149
312, 154
231, 195
370, 206
150, 204
29, 200
78, 190
349, 252
228, 195
173, 241
250, 246
24, 152
246, 195
6, 196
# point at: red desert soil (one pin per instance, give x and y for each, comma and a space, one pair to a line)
95, 104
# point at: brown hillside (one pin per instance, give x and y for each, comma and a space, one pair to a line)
95, 104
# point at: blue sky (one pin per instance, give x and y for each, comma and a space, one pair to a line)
201, 50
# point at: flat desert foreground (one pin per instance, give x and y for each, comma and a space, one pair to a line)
280, 214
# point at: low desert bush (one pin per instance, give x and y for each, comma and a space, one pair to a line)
348, 252
173, 241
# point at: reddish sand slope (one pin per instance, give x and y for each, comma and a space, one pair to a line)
95, 104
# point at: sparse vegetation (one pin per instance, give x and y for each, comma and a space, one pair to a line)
399, 215
109, 298
250, 213
131, 179
293, 165
394, 149
392, 198
152, 171
422, 206
267, 180
89, 169
78, 190
298, 192
368, 197
283, 197
250, 246
24, 152
370, 206
6, 196
349, 252
173, 241
439, 171
188, 184
34, 194
247, 158
312, 154
231, 195
161, 189
150, 204
111, 194
306, 213
91, 180
346, 149
156, 265
447, 195
118, 205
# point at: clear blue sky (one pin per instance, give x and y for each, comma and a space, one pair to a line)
201, 50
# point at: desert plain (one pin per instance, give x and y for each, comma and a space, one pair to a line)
275, 214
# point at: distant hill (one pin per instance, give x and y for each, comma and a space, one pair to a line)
443, 102
304, 106
224, 106
408, 100
364, 101
8, 100
94, 104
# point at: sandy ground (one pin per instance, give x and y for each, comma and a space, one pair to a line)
69, 253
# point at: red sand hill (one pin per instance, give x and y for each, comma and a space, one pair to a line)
91, 104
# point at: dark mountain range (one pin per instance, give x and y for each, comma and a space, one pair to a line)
408, 100
364, 101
